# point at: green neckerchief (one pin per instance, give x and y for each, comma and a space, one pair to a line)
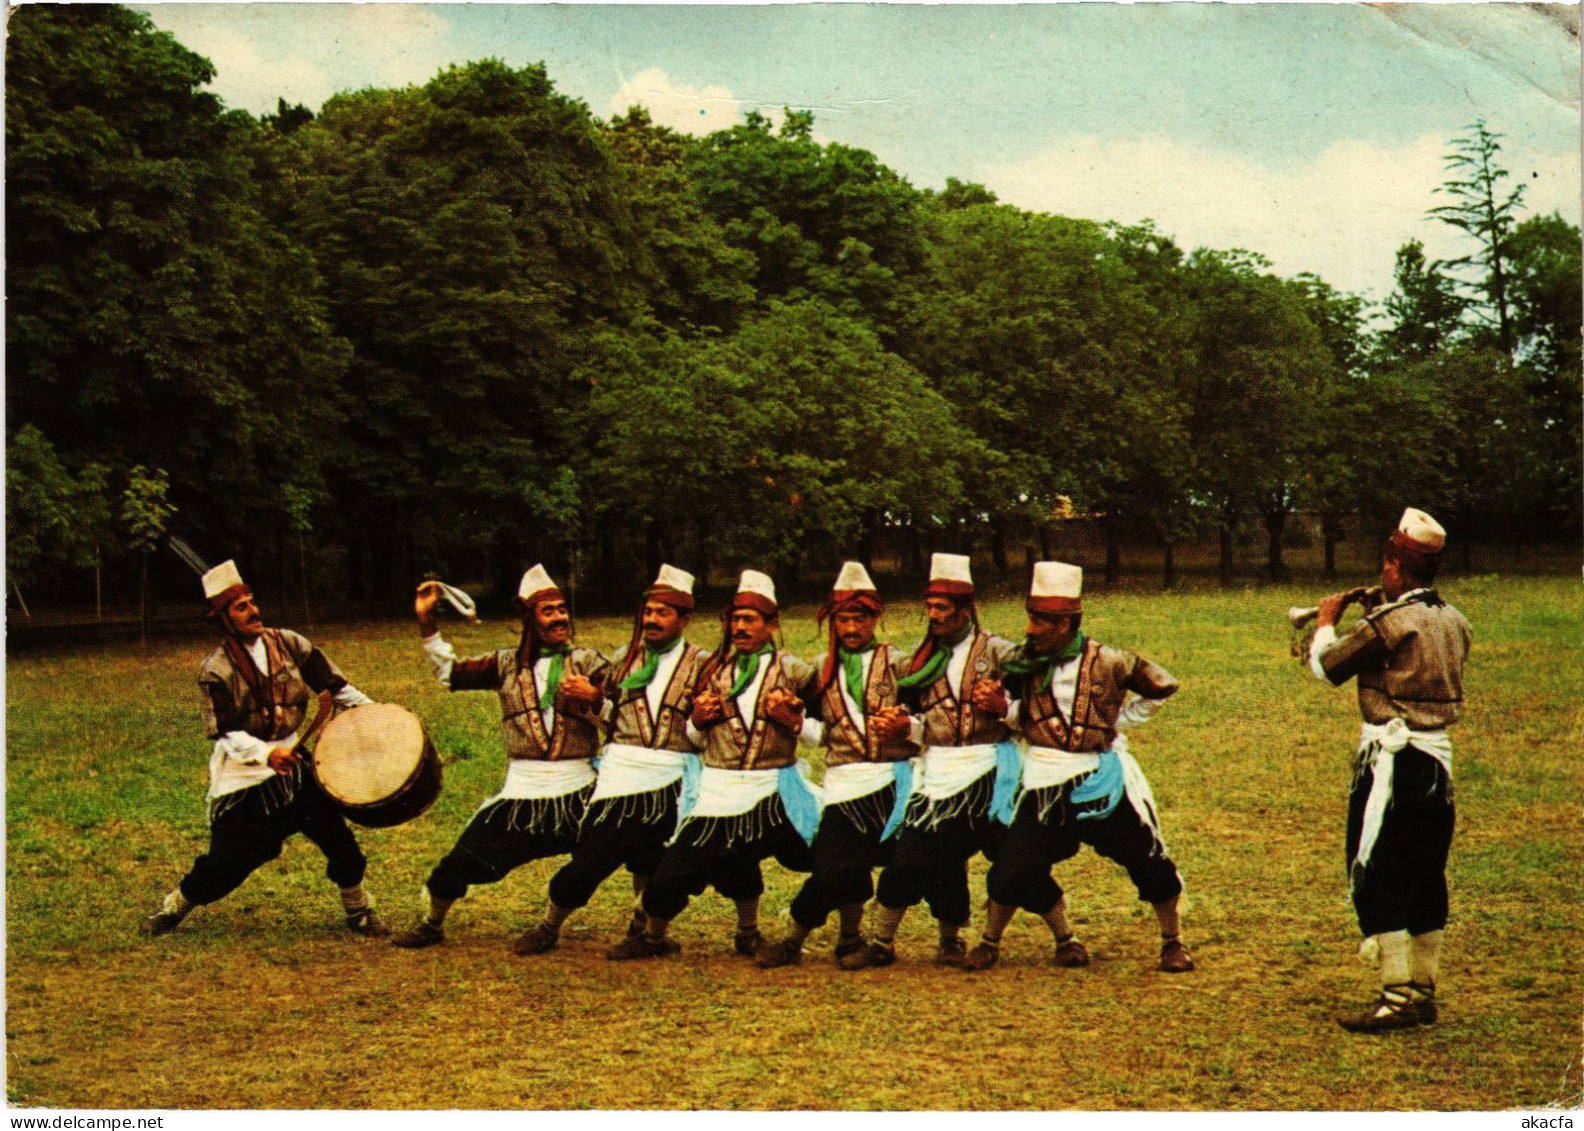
852, 670
643, 675
557, 667
1037, 667
747, 665
935, 666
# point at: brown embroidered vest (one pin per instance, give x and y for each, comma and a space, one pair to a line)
845, 742
952, 720
1105, 676
730, 745
1408, 657
297, 671
575, 735
633, 725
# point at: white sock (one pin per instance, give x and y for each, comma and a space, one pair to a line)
1393, 957
176, 904
1424, 958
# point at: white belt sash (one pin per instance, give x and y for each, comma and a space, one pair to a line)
1044, 767
948, 770
855, 780
625, 770
1378, 747
529, 779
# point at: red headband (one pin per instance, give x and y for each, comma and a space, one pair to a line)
682, 602
945, 588
1054, 606
755, 601
221, 601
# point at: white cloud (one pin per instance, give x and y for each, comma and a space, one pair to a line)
682, 108
1342, 215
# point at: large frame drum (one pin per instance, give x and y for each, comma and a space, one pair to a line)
377, 764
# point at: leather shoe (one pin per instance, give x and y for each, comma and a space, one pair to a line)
1175, 958
1072, 953
366, 923
951, 952
641, 946
160, 923
424, 934
787, 952
982, 957
874, 953
1394, 1009
748, 943
536, 940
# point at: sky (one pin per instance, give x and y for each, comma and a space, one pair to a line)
1313, 134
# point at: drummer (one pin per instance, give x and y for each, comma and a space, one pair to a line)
256, 691
551, 696
634, 808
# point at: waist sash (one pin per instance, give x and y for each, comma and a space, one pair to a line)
1378, 747
625, 770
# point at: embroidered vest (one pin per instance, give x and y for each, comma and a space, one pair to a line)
844, 741
296, 670
1409, 659
633, 725
523, 729
1105, 676
730, 745
950, 720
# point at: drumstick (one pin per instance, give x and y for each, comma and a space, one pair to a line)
321, 716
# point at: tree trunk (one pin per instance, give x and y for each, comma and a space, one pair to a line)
1113, 539
1224, 538
998, 548
302, 563
1168, 568
143, 602
1046, 553
1275, 525
98, 587
1329, 530
651, 550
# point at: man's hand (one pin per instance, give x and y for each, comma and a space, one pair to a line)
708, 709
784, 709
891, 724
1331, 607
990, 697
424, 604
577, 693
284, 761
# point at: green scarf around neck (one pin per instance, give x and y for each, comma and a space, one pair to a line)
557, 669
1037, 667
747, 665
852, 669
644, 674
935, 666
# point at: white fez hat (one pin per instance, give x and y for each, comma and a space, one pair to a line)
224, 576
853, 578
1420, 533
950, 576
1057, 588
755, 590
536, 585
672, 578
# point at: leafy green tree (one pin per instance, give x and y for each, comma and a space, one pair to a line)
1485, 211
55, 519
1425, 310
145, 512
153, 317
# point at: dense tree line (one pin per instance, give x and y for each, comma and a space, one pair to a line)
469, 324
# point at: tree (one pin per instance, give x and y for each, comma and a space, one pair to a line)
145, 513
55, 519
1487, 213
1425, 309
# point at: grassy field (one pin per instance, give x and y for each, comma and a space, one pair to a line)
263, 1000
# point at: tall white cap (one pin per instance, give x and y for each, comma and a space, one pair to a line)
1057, 588
672, 578
536, 586
224, 576
853, 578
755, 590
951, 575
1419, 532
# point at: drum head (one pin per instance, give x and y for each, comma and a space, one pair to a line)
369, 753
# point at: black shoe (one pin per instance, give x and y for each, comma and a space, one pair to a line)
1424, 999
1394, 1009
982, 957
951, 952
424, 934
1071, 953
853, 946
748, 943
1175, 958
874, 953
366, 923
787, 952
536, 940
641, 946
160, 923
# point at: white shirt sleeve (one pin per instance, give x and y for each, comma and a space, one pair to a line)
441, 657
1011, 716
242, 748
915, 730
695, 736
813, 732
350, 696
1324, 637
1138, 709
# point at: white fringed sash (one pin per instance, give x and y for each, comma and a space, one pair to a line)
730, 793
529, 779
1378, 747
1044, 767
855, 780
948, 770
625, 770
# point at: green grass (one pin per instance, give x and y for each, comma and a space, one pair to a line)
106, 771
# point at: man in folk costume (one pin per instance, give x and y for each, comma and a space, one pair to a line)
1408, 657
969, 769
633, 810
868, 739
256, 689
752, 800
551, 696
1080, 784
